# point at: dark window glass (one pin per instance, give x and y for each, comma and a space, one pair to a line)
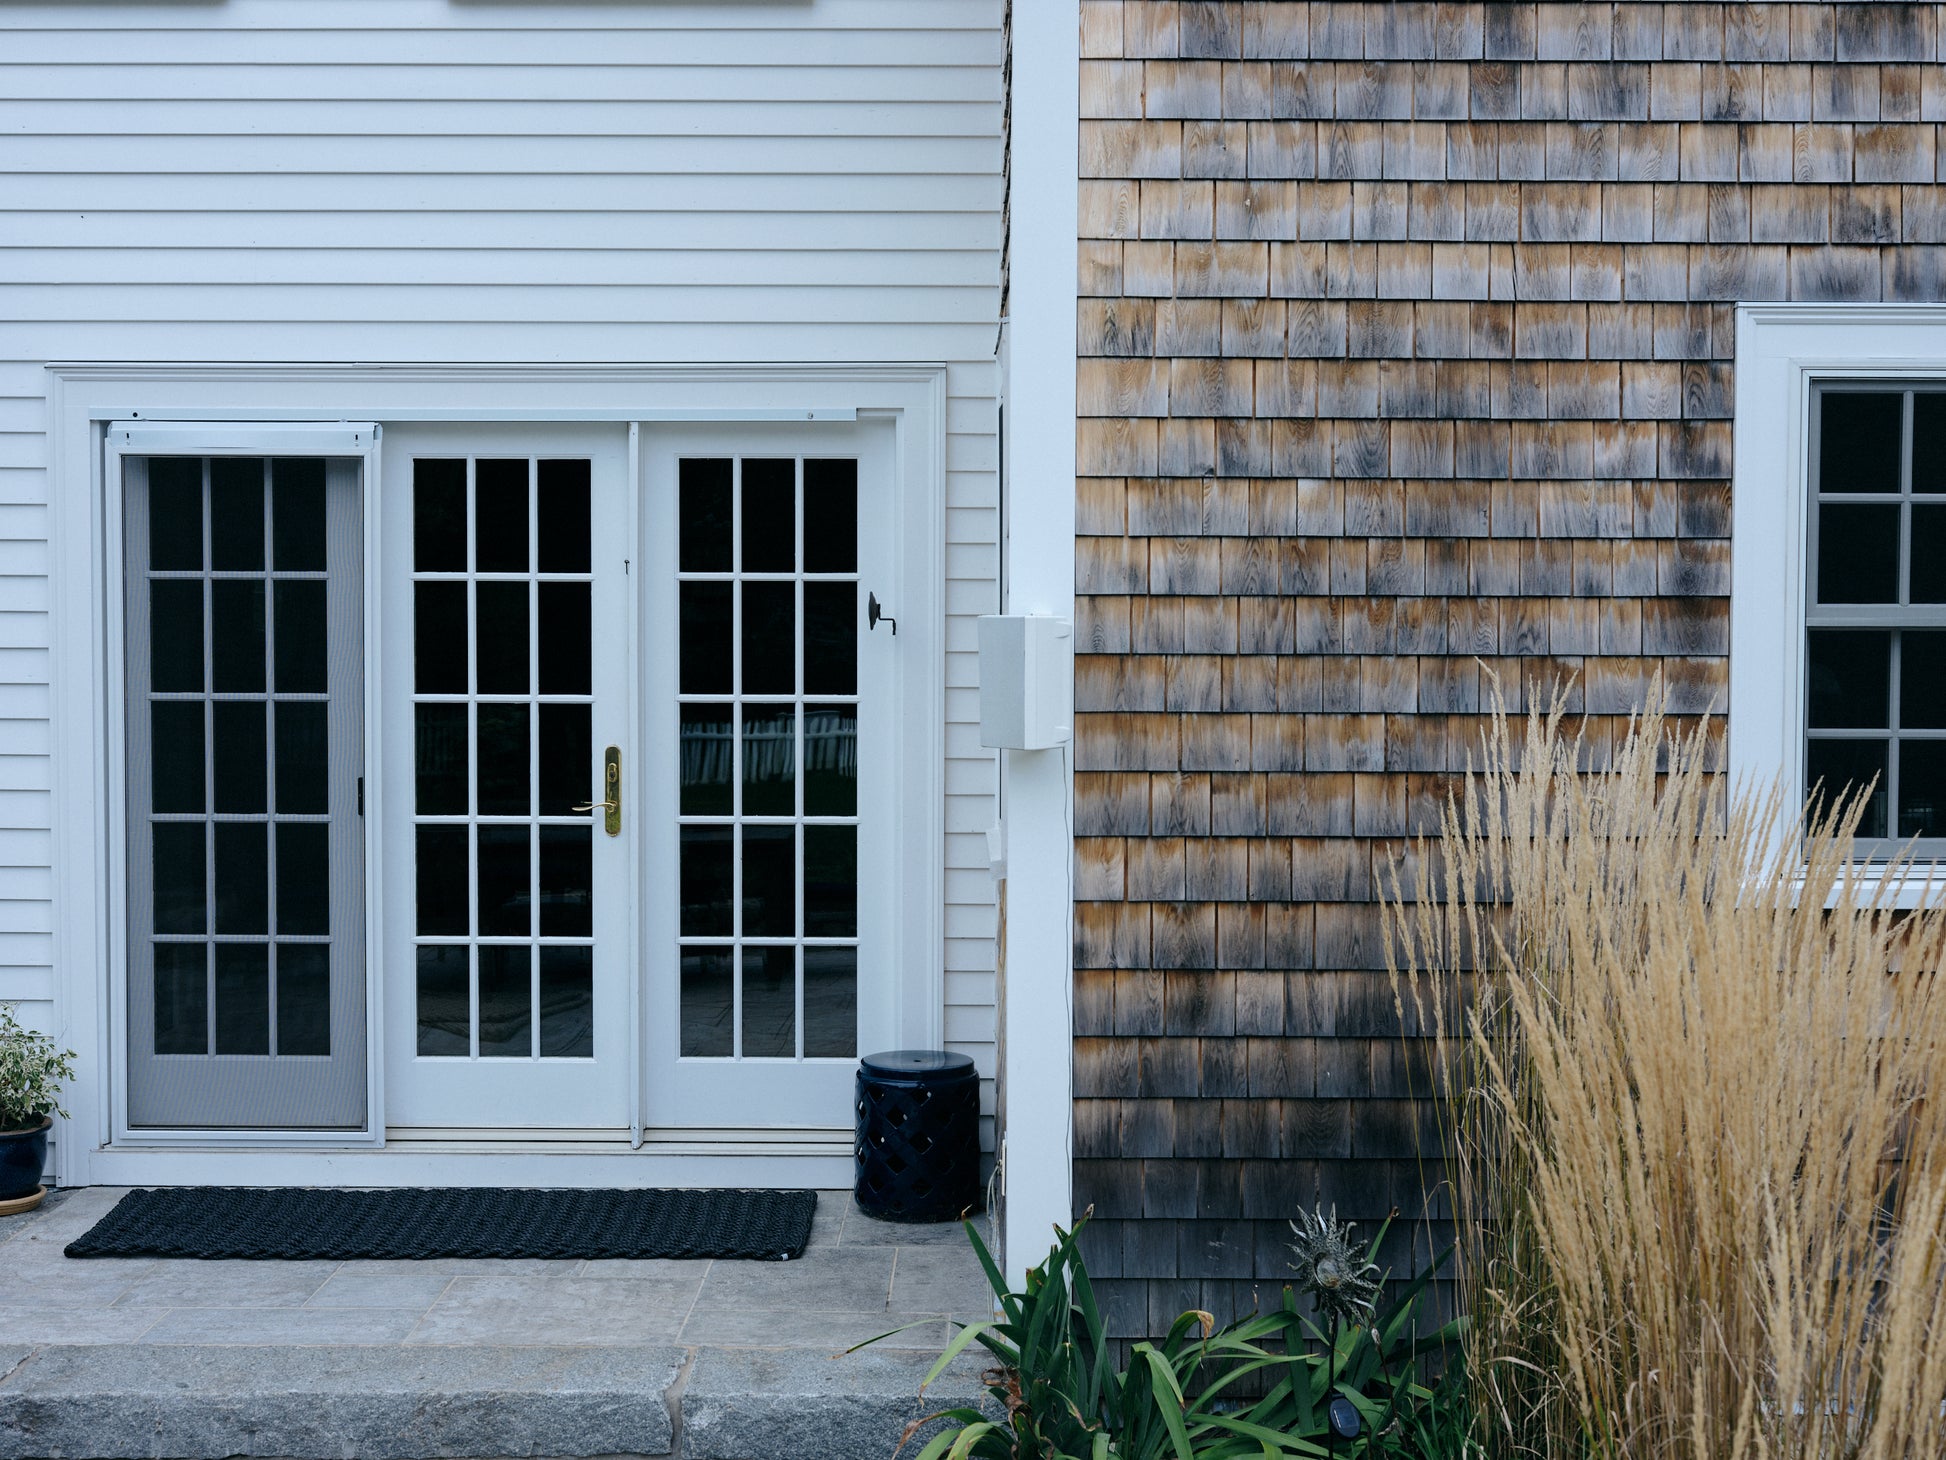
304, 878
242, 877
769, 638
176, 637
769, 1003
444, 879
706, 884
1929, 441
1922, 679
176, 513
506, 1002
703, 502
567, 643
181, 877
706, 658
831, 881
502, 644
239, 757
1858, 553
303, 998
830, 760
567, 759
1850, 675
236, 514
769, 760
567, 882
708, 757
303, 744
769, 881
500, 516
830, 1003
300, 626
567, 1003
1858, 441
708, 1004
1836, 769
439, 754
831, 638
830, 517
1928, 554
439, 638
176, 752
506, 880
445, 1015
503, 761
563, 507
769, 515
297, 514
181, 998
242, 998
438, 516
237, 636
1922, 788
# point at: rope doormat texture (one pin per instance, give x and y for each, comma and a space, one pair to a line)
416, 1223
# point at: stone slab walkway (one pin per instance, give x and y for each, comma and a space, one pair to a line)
395, 1360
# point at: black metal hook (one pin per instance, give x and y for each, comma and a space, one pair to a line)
873, 614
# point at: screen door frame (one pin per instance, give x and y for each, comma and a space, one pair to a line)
358, 441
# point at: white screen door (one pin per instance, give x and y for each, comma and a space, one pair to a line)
506, 690
768, 815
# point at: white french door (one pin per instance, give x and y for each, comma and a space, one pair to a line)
766, 935
506, 693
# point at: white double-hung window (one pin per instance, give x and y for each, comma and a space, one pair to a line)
1838, 597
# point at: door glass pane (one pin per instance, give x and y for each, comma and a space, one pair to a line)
708, 1004
303, 998
176, 636
438, 516
236, 514
176, 514
1859, 441
769, 1003
242, 877
297, 515
237, 636
506, 1001
176, 752
300, 628
239, 755
303, 776
494, 751
304, 878
758, 878
439, 638
180, 877
564, 504
500, 516
242, 998
769, 515
567, 997
182, 998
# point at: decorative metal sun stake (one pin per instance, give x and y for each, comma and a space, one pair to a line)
1342, 1284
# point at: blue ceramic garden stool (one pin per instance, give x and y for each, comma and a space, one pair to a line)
917, 1152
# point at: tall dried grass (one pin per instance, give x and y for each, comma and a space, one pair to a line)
1701, 1193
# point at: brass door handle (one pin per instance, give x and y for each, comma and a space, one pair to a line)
611, 782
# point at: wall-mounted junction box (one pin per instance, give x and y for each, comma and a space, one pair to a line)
1026, 681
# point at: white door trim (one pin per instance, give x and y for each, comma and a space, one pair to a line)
85, 396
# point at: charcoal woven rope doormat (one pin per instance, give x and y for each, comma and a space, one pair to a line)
412, 1223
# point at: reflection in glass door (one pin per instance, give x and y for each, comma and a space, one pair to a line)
506, 1000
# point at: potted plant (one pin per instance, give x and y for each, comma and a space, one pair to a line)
32, 1071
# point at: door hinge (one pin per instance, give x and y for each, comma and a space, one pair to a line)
361, 795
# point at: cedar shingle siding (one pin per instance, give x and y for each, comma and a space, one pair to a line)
1406, 340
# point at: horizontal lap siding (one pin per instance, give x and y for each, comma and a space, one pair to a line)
416, 180
1406, 342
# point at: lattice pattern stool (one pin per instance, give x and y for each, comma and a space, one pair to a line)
917, 1152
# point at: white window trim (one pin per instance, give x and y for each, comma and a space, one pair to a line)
84, 398
1783, 351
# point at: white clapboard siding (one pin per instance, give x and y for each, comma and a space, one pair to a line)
418, 180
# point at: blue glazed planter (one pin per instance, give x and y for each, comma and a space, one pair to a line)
23, 1156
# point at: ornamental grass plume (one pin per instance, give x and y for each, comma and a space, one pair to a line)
1690, 1048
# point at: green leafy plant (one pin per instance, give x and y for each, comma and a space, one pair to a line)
1194, 1395
32, 1071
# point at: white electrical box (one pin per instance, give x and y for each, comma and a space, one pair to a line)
1026, 681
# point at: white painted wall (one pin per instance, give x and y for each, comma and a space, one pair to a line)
440, 180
